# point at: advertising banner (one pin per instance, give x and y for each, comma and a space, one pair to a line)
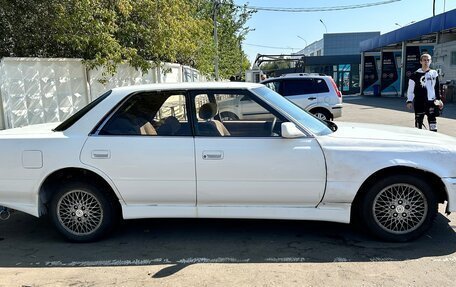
370, 71
412, 60
370, 74
390, 72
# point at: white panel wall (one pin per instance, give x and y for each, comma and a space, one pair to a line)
35, 90
191, 75
38, 91
171, 73
125, 76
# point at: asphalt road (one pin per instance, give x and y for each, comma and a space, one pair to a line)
392, 111
189, 252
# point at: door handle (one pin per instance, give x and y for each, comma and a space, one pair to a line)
101, 154
312, 98
212, 154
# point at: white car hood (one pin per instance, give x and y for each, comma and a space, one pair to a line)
32, 129
375, 132
360, 150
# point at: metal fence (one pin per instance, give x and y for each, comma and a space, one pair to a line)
37, 90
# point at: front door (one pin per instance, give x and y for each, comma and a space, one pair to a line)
344, 82
252, 165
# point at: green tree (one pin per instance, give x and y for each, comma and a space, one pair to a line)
277, 64
26, 28
106, 33
231, 30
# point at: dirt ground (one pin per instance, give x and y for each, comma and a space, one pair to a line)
206, 252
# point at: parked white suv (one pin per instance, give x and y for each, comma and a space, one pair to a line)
312, 92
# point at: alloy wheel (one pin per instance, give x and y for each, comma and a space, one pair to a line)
80, 212
400, 208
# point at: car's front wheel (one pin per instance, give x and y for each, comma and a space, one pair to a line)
399, 208
81, 212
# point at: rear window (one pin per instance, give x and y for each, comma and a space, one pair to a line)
74, 118
306, 86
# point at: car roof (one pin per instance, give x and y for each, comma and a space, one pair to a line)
188, 86
297, 76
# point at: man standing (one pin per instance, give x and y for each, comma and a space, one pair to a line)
423, 93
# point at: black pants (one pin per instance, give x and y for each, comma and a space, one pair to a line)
425, 108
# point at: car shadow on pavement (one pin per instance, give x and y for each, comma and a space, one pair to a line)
29, 242
395, 103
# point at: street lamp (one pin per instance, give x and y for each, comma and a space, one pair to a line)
242, 33
302, 39
326, 29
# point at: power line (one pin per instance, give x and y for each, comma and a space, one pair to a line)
271, 47
317, 9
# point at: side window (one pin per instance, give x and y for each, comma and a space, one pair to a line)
234, 114
150, 114
320, 86
292, 87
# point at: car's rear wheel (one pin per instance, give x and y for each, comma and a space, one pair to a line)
322, 114
399, 208
81, 212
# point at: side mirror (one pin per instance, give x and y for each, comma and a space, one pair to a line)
290, 131
331, 125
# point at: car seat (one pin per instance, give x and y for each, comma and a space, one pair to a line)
207, 112
170, 126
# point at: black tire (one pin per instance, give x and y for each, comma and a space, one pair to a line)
82, 213
322, 114
399, 208
228, 116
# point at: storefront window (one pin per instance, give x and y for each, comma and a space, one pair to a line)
345, 68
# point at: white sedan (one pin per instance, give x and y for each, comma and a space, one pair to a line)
164, 151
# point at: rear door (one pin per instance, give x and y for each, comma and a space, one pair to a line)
300, 91
146, 147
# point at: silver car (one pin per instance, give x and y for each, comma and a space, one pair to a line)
314, 93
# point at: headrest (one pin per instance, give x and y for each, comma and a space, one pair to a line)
169, 127
208, 111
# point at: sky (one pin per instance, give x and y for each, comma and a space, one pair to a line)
281, 29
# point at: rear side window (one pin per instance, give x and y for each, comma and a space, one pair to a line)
306, 86
150, 114
320, 86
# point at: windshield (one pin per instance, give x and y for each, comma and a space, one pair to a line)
307, 120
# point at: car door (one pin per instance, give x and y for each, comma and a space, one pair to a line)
300, 91
147, 149
253, 165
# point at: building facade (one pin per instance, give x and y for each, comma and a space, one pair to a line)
336, 55
335, 44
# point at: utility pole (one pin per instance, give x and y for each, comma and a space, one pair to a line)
216, 60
